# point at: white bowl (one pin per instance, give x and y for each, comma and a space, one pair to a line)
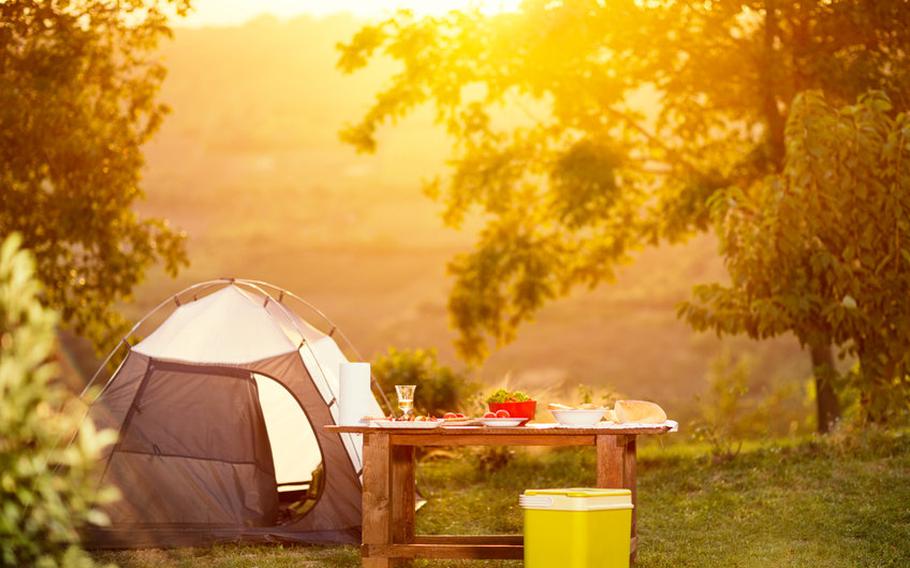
579, 417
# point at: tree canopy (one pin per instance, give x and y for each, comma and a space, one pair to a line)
77, 100
823, 248
551, 144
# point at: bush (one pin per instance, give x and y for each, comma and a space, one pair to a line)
730, 412
725, 418
46, 489
440, 389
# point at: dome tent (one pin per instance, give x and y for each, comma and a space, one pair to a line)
219, 413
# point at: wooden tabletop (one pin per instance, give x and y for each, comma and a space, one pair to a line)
530, 430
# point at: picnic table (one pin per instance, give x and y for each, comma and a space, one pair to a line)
389, 484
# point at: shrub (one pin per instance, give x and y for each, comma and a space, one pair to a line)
440, 389
723, 413
730, 412
46, 488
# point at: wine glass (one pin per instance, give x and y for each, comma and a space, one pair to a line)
405, 398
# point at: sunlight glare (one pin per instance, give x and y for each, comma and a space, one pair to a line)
236, 12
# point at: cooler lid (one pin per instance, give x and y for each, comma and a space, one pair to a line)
576, 499
581, 492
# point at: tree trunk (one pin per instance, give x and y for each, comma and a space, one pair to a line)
828, 407
768, 73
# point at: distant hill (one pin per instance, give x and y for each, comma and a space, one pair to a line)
250, 165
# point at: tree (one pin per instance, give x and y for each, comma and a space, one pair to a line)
569, 173
440, 389
823, 248
47, 490
77, 100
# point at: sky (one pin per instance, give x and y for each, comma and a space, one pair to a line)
233, 12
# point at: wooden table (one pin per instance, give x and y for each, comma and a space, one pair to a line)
389, 485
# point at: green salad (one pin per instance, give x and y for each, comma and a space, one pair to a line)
503, 395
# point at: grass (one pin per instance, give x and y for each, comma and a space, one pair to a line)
836, 504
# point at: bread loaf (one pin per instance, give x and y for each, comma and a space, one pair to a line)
638, 411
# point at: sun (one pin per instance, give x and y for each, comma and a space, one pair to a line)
235, 12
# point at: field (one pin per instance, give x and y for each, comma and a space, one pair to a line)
788, 503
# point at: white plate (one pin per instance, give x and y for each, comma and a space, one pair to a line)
422, 425
502, 422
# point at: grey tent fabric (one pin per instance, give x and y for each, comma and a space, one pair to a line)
193, 461
110, 410
193, 450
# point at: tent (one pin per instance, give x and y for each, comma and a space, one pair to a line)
219, 411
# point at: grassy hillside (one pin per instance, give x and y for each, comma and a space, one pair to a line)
782, 504
250, 166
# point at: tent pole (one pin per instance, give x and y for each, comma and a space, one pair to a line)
259, 285
303, 342
125, 338
104, 363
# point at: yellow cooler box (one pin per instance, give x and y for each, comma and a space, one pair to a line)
577, 528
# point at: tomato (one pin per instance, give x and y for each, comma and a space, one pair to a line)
449, 416
490, 415
459, 415
503, 414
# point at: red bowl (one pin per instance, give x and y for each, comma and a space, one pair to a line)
516, 409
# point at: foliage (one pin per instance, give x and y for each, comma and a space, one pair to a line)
504, 395
605, 397
46, 490
721, 422
440, 389
730, 413
77, 103
553, 145
823, 249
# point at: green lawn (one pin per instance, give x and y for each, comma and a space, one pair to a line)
782, 505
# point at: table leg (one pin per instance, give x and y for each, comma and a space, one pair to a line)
377, 503
403, 501
616, 456
630, 483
